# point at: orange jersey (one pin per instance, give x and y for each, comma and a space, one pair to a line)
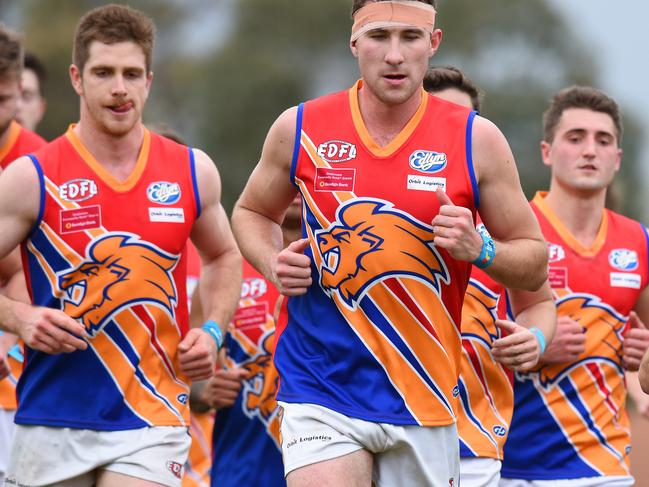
111, 254
573, 415
20, 142
385, 301
486, 391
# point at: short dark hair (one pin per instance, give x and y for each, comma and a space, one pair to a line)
111, 24
580, 97
34, 64
440, 78
11, 54
357, 4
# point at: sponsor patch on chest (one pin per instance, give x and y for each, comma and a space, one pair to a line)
80, 219
625, 279
328, 179
77, 190
163, 192
251, 316
167, 215
426, 183
558, 277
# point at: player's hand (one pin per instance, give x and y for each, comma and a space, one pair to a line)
197, 354
292, 269
48, 330
568, 344
455, 231
223, 388
636, 342
519, 350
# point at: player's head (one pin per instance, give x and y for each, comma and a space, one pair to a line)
393, 41
582, 132
111, 68
11, 66
451, 84
32, 100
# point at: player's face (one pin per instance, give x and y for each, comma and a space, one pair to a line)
113, 87
584, 155
393, 61
32, 105
9, 96
456, 96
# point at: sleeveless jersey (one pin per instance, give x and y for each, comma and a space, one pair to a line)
246, 435
377, 335
20, 142
486, 391
111, 255
573, 415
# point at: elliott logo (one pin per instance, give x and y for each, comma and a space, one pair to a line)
337, 151
77, 190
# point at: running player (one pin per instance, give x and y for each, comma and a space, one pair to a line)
488, 356
570, 425
368, 350
103, 214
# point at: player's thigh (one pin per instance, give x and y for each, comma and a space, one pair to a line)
351, 470
480, 472
418, 455
106, 478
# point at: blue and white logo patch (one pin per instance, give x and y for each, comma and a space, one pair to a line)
428, 161
163, 192
623, 259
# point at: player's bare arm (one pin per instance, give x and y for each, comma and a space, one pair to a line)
220, 271
521, 254
44, 329
521, 349
260, 211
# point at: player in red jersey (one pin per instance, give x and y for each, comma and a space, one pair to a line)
368, 347
33, 104
570, 426
15, 141
486, 392
103, 214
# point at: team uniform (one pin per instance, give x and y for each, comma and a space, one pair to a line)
112, 255
486, 389
20, 142
373, 339
199, 460
570, 424
246, 435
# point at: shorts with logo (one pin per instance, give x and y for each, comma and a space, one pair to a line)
611, 481
66, 457
403, 454
480, 472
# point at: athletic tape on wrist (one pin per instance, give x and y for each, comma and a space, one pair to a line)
540, 338
214, 330
487, 253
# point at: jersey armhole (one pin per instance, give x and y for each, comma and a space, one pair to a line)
41, 186
298, 137
469, 159
197, 197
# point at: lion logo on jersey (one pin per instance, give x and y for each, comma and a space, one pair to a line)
371, 241
119, 271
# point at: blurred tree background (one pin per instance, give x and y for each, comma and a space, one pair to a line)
225, 69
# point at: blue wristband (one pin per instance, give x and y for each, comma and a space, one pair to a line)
539, 337
487, 253
214, 330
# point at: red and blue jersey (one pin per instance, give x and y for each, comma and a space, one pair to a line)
572, 416
111, 254
377, 335
20, 142
246, 435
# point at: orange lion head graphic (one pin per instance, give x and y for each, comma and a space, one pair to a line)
119, 271
372, 241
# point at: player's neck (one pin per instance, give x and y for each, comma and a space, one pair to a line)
581, 213
384, 122
117, 154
